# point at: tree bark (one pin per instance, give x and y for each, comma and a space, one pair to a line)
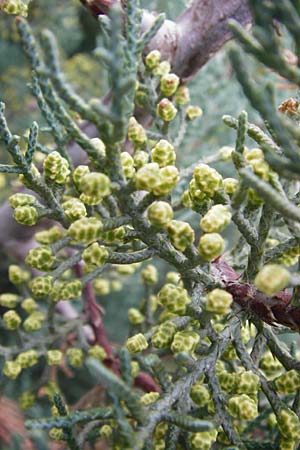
203, 30
197, 34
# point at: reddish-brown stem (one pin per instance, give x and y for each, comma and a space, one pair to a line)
94, 316
276, 309
145, 382
98, 7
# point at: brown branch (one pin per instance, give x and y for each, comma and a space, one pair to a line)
195, 37
145, 382
203, 30
97, 7
94, 312
94, 316
272, 310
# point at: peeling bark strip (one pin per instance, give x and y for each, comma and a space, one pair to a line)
197, 34
272, 310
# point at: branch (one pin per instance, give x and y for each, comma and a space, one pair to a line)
195, 37
203, 30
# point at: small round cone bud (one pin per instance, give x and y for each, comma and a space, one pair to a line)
163, 336
163, 153
166, 110
247, 382
101, 286
17, 275
216, 219
225, 153
288, 382
28, 358
135, 316
27, 400
243, 407
254, 199
86, 230
153, 59
127, 165
8, 300
66, 290
32, 323
20, 199
26, 215
149, 398
169, 177
148, 177
105, 431
174, 298
230, 185
54, 357
185, 341
12, 369
29, 305
197, 198
200, 394
207, 179
125, 269
12, 320
41, 286
136, 343
173, 278
136, 132
75, 357
115, 235
135, 368
97, 352
203, 440
193, 112
181, 234
95, 184
149, 274
211, 245
160, 213
56, 434
218, 301
79, 173
227, 381
40, 258
288, 424
99, 145
182, 95
162, 69
255, 154
95, 255
56, 168
169, 84
74, 209
272, 278
140, 158
270, 365
47, 237
14, 7
90, 200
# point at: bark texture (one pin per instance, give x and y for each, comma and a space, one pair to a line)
197, 34
203, 30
